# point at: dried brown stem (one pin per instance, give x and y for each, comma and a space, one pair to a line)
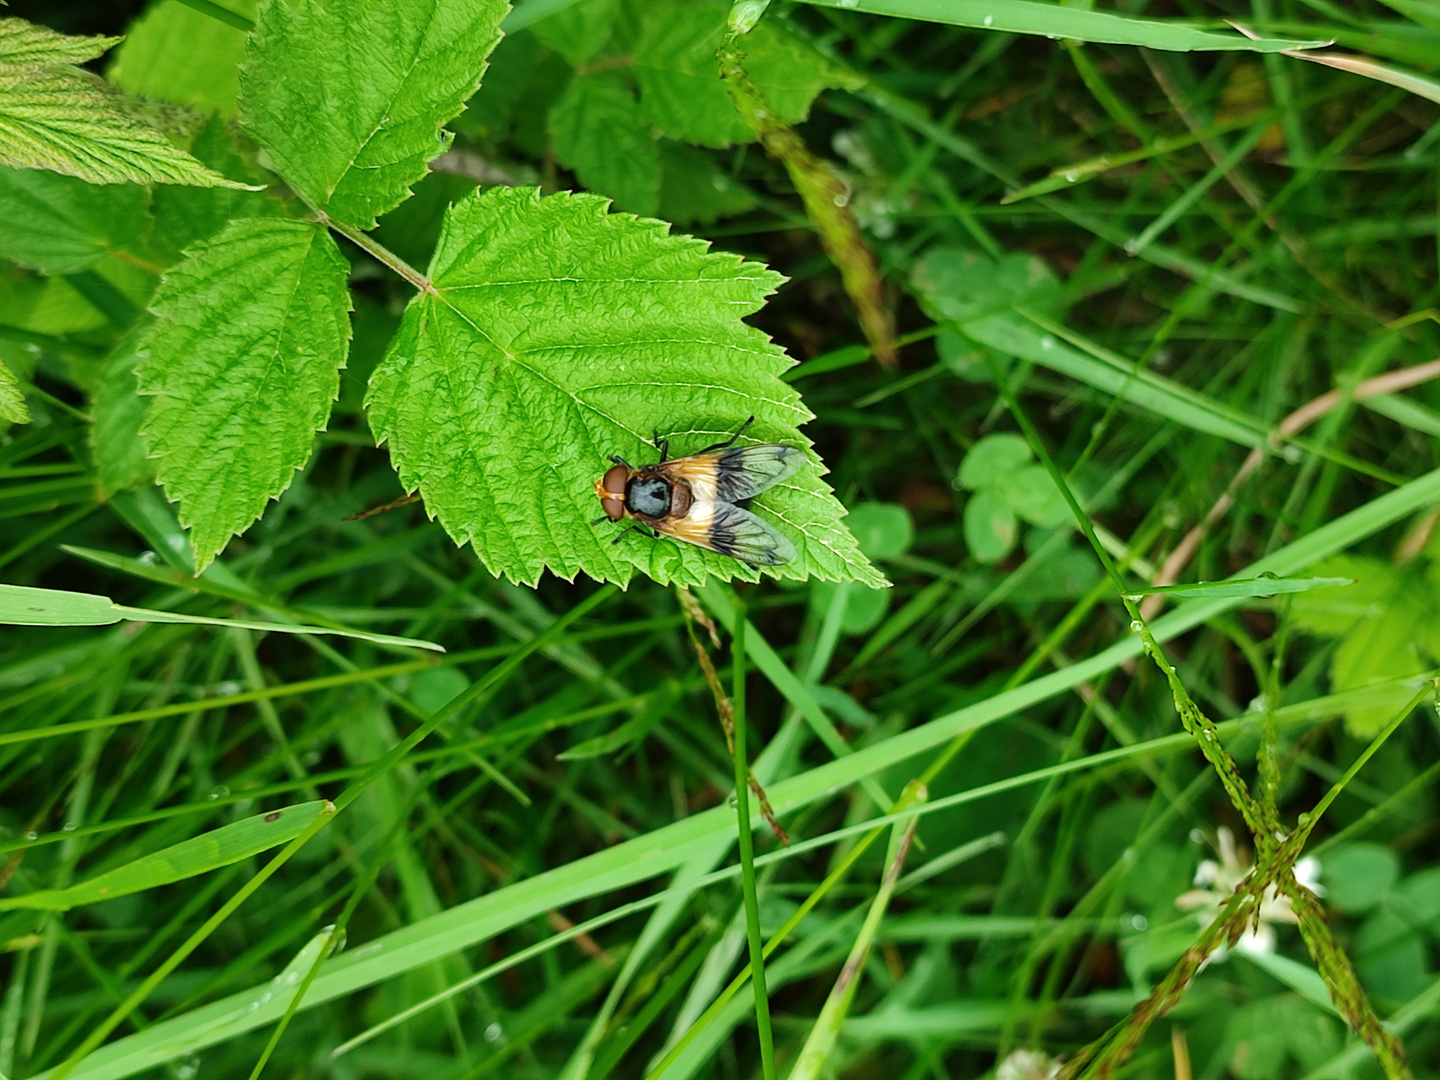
826, 197
693, 613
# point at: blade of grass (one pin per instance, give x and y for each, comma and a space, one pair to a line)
476, 691
826, 1030
1053, 21
747, 848
664, 849
198, 855
23, 606
243, 1012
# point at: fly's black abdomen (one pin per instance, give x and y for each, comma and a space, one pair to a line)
650, 497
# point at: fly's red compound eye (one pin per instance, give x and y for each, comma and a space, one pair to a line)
614, 508
614, 482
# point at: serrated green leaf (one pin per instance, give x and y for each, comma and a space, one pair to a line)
680, 86
1375, 651
46, 305
578, 31
512, 65
1337, 610
186, 214
12, 398
597, 131
59, 224
693, 189
26, 44
348, 97
177, 54
244, 362
559, 334
54, 116
117, 415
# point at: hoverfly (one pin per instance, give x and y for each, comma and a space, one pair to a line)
700, 499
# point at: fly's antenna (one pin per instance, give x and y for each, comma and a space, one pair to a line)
663, 445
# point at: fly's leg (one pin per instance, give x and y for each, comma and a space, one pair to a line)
663, 445
730, 441
642, 529
618, 460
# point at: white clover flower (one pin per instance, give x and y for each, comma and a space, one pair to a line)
1027, 1065
1217, 882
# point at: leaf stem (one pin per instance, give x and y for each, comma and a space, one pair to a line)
379, 252
747, 849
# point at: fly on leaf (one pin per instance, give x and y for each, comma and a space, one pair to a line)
701, 499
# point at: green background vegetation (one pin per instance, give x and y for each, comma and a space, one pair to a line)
1132, 262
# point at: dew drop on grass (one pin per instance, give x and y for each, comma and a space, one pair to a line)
989, 20
32, 835
1047, 342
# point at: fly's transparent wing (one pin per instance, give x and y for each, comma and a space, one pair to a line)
745, 471
745, 536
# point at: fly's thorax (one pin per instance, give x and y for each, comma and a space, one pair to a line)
648, 495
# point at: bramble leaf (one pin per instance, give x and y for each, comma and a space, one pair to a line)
694, 189
348, 97
59, 225
25, 43
186, 214
244, 363
597, 131
1381, 620
680, 88
559, 334
12, 399
177, 54
578, 31
117, 415
56, 116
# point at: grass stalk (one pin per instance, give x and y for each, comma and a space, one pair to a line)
747, 849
